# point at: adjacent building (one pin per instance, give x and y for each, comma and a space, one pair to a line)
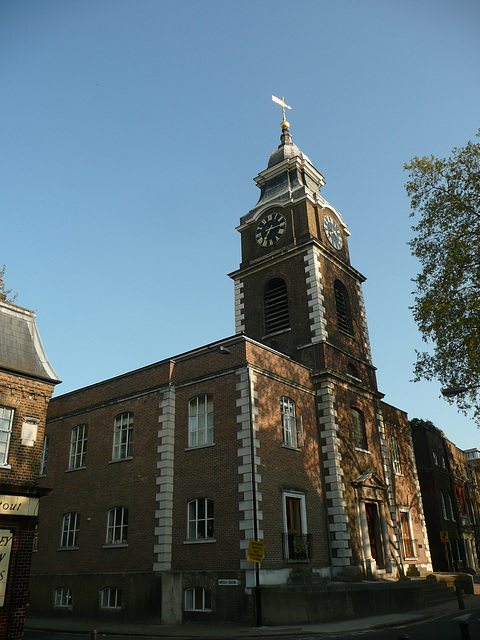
449, 482
163, 476
26, 384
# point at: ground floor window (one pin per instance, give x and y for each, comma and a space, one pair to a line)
407, 538
297, 540
62, 597
110, 598
198, 599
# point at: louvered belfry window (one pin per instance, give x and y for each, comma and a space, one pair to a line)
276, 306
342, 303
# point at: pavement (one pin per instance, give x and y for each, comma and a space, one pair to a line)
471, 602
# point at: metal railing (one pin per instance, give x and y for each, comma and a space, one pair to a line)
297, 546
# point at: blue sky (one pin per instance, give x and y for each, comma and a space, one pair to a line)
132, 130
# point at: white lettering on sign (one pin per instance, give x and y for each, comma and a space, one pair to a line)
6, 538
228, 583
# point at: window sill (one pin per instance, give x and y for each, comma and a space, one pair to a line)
200, 446
62, 607
200, 541
75, 469
120, 460
291, 447
276, 333
5, 466
294, 560
115, 545
362, 450
68, 548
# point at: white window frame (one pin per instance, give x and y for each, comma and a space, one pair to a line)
62, 598
435, 458
303, 516
190, 600
395, 455
406, 510
78, 447
122, 436
443, 504
44, 458
70, 525
117, 526
450, 506
111, 598
200, 420
196, 524
292, 425
6, 423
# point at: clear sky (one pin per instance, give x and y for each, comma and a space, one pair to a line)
132, 129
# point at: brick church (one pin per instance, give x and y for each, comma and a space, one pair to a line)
162, 476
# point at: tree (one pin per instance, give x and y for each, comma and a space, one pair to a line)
4, 293
445, 195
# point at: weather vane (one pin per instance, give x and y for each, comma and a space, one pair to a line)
281, 102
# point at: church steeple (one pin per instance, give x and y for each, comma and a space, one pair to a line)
296, 290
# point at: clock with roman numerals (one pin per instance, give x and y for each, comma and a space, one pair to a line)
333, 233
270, 229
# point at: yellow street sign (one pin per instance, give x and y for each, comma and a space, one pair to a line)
255, 551
444, 536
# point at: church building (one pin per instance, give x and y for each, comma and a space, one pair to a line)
162, 477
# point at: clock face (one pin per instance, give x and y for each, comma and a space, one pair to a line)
333, 233
270, 229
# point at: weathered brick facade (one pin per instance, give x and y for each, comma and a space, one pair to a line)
277, 434
26, 385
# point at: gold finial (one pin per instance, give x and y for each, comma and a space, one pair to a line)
281, 102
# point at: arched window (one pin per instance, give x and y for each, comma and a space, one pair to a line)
44, 458
62, 597
78, 447
359, 431
342, 303
395, 455
70, 530
443, 505
351, 370
276, 306
200, 421
292, 427
110, 598
122, 436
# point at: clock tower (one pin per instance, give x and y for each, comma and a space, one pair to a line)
295, 290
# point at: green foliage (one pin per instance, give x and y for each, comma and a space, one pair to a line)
445, 195
4, 293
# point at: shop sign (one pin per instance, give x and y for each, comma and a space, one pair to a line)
6, 537
18, 506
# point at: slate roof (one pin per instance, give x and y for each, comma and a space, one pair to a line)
21, 349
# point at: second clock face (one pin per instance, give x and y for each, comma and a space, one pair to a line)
270, 229
333, 233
